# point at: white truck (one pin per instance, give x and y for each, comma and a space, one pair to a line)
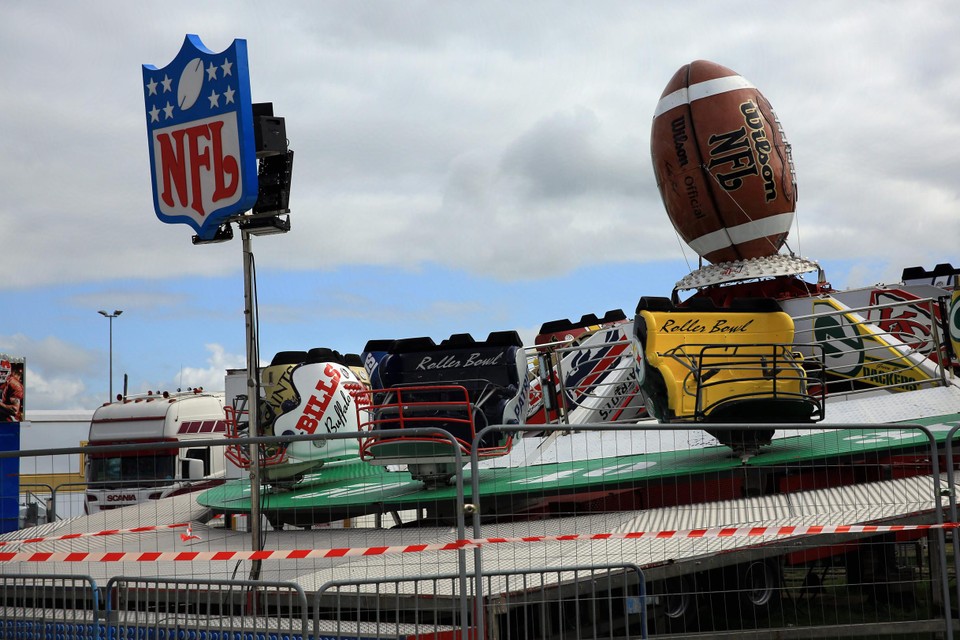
117, 479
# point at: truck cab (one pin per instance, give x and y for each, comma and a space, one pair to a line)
120, 478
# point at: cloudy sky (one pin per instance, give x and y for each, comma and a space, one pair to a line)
460, 167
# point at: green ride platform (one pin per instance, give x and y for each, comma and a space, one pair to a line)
646, 480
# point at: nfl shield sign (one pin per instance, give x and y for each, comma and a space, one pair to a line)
200, 133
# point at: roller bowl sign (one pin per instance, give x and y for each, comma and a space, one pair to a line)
200, 134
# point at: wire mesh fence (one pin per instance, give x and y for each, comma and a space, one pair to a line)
603, 531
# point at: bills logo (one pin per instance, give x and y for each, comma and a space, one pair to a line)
200, 135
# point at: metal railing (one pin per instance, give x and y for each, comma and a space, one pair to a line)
862, 355
38, 605
596, 601
162, 607
591, 588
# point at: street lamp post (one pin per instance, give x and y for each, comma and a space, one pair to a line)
111, 316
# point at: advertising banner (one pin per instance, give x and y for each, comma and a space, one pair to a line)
11, 413
12, 387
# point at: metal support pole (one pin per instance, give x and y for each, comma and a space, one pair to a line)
52, 505
253, 400
111, 359
110, 317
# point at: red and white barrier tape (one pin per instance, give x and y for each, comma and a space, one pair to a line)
726, 532
96, 534
191, 556
303, 554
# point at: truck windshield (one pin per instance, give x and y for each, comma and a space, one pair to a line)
157, 468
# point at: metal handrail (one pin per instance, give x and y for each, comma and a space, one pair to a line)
937, 493
912, 351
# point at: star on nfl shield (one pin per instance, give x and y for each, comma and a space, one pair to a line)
200, 133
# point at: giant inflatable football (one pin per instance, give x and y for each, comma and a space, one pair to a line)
722, 164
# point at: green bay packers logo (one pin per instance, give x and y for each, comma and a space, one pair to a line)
842, 344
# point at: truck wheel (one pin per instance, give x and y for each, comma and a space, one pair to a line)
679, 604
759, 585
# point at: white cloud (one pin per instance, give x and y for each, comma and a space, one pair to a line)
210, 377
505, 140
471, 135
57, 392
50, 355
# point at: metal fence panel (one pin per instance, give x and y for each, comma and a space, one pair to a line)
744, 547
534, 516
235, 609
559, 602
41, 606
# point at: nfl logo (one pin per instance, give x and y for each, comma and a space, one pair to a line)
200, 133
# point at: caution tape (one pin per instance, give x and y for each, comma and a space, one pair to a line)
344, 552
96, 534
193, 556
725, 532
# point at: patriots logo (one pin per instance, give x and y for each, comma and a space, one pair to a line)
200, 135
